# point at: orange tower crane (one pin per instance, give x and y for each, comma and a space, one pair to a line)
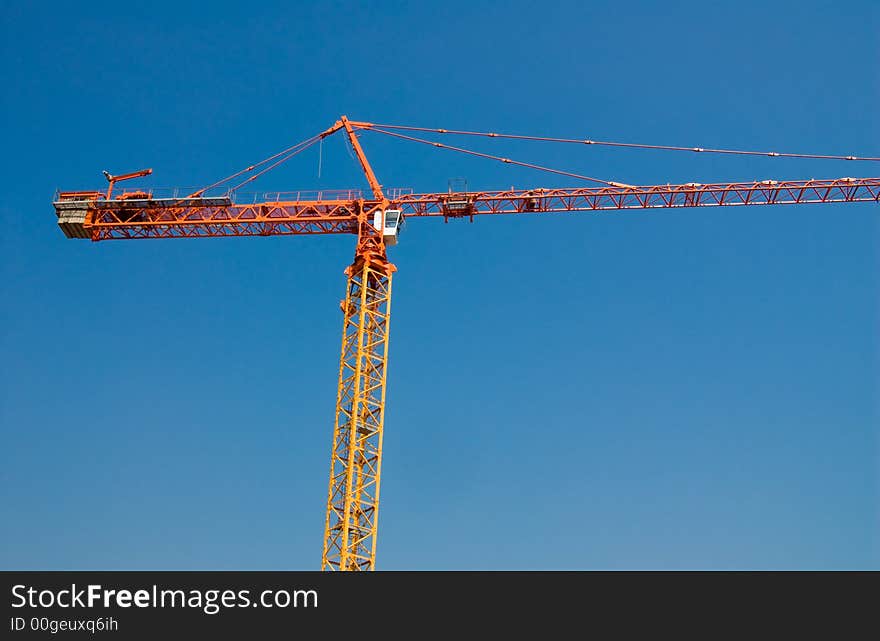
350, 528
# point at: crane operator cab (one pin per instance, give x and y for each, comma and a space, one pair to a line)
388, 222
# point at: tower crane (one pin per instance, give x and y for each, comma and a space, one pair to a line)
350, 528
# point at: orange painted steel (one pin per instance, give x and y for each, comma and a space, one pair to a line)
115, 179
362, 159
645, 197
118, 219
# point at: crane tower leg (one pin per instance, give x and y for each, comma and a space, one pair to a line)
356, 457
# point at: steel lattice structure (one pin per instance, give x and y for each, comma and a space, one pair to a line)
350, 530
356, 459
189, 218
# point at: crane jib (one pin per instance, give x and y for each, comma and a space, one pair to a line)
90, 215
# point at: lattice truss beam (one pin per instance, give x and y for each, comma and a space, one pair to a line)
356, 458
105, 220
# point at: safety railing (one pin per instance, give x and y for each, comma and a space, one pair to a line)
173, 193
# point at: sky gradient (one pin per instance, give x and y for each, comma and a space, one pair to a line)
660, 390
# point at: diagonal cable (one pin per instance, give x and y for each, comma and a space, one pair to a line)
293, 149
606, 143
508, 161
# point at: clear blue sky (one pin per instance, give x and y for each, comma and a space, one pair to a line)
688, 389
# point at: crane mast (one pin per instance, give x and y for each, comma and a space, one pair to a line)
350, 530
356, 456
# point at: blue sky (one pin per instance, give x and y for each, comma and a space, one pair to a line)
664, 390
